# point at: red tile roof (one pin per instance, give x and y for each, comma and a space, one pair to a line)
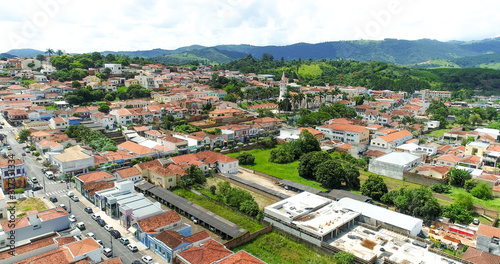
128, 172
395, 136
477, 256
197, 237
471, 159
267, 120
441, 169
157, 221
148, 164
488, 231
345, 127
82, 247
449, 158
135, 148
94, 176
60, 255
92, 188
208, 253
34, 245
242, 257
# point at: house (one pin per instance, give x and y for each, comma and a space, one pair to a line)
132, 174
12, 174
122, 116
153, 225
316, 133
216, 161
105, 120
241, 257
45, 145
438, 172
351, 134
73, 161
469, 161
392, 140
58, 123
89, 178
178, 144
488, 239
268, 124
394, 164
476, 148
34, 224
168, 244
447, 160
210, 252
167, 177
136, 149
476, 256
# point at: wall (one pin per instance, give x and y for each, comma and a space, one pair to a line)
421, 179
49, 226
385, 169
247, 237
30, 254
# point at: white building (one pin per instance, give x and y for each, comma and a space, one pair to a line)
375, 215
73, 161
393, 164
392, 140
115, 68
351, 134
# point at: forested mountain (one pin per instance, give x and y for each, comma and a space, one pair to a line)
421, 53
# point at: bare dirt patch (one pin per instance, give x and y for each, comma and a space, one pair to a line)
263, 181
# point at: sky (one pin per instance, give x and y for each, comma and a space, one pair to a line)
127, 25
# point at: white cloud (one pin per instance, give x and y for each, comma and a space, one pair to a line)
85, 26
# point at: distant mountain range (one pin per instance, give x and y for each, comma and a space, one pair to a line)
420, 53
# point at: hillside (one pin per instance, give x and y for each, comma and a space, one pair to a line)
205, 56
24, 52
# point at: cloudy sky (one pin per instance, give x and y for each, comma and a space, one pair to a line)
86, 26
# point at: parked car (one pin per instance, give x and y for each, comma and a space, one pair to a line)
34, 180
195, 220
476, 221
70, 194
72, 218
49, 175
36, 188
9, 147
90, 234
44, 170
63, 206
53, 199
24, 154
99, 242
75, 199
147, 259
124, 241
95, 216
115, 234
80, 225
132, 247
108, 228
88, 210
107, 252
101, 222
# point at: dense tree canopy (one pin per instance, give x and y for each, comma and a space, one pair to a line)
374, 187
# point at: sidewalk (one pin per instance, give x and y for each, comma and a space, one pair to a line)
110, 221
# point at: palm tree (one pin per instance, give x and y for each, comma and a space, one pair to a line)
321, 96
308, 100
49, 51
59, 52
295, 99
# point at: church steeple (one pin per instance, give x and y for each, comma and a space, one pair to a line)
283, 86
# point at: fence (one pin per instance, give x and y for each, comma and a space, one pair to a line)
247, 237
422, 180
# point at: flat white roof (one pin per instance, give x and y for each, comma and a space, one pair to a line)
409, 147
384, 215
397, 157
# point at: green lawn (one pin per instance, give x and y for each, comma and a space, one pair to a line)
244, 222
274, 248
29, 204
283, 171
51, 107
121, 89
493, 204
437, 133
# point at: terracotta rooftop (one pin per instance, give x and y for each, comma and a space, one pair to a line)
477, 256
449, 158
171, 238
488, 231
34, 245
374, 153
471, 159
311, 130
267, 120
65, 240
345, 127
83, 246
209, 252
148, 164
94, 176
197, 237
342, 121
157, 221
94, 187
56, 256
128, 172
242, 257
396, 135
441, 169
135, 148
5, 162
117, 155
444, 148
115, 260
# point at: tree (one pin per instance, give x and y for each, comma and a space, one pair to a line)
343, 257
246, 158
330, 174
475, 119
31, 65
109, 97
464, 200
213, 189
457, 214
374, 187
280, 155
458, 177
77, 115
482, 191
230, 98
310, 161
309, 142
76, 84
196, 174
49, 51
441, 188
351, 176
249, 207
469, 184
24, 134
104, 108
467, 140
40, 57
19, 191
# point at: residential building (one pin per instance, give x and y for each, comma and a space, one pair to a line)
488, 239
91, 177
210, 252
469, 161
391, 141
168, 244
438, 172
220, 163
153, 225
132, 174
351, 134
476, 148
58, 123
268, 124
447, 160
394, 164
115, 68
45, 145
136, 149
11, 180
73, 161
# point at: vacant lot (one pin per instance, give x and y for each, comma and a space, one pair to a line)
29, 204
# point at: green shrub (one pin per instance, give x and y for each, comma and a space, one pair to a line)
441, 188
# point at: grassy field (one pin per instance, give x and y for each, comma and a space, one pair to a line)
437, 133
390, 182
29, 204
51, 107
121, 89
310, 70
283, 171
244, 222
493, 204
276, 248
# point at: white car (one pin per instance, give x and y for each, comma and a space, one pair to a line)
147, 259
132, 247
108, 228
72, 218
91, 235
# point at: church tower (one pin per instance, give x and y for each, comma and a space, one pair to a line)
283, 87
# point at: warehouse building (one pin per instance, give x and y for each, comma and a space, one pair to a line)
394, 164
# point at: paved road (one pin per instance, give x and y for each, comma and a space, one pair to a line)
55, 188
